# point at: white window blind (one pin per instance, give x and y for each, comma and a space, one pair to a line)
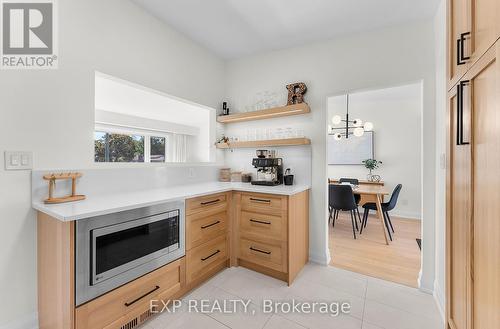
179, 148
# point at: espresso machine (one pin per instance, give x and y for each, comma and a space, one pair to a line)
269, 171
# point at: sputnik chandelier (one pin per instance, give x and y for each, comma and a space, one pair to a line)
357, 128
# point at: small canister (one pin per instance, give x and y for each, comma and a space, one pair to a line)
288, 178
246, 177
236, 176
225, 175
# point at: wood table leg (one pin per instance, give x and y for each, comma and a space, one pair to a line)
381, 217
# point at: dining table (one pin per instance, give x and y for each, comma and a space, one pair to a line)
372, 193
375, 194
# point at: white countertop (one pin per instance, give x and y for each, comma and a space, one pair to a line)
96, 205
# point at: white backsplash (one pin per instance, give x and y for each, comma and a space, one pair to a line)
118, 180
108, 180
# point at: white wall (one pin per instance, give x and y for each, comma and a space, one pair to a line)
52, 113
397, 117
371, 60
441, 122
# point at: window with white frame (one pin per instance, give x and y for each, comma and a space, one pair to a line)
134, 123
125, 138
112, 146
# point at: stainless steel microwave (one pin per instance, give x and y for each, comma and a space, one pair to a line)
114, 249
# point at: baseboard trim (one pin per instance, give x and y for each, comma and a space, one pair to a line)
398, 215
422, 287
323, 259
426, 290
29, 321
408, 216
439, 298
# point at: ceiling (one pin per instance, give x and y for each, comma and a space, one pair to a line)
236, 28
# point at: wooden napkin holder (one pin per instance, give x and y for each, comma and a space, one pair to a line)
52, 178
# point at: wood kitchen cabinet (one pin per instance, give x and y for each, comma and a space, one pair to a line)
125, 307
472, 29
459, 224
271, 233
473, 194
458, 24
264, 232
267, 233
207, 236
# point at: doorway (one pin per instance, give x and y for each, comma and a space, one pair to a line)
391, 145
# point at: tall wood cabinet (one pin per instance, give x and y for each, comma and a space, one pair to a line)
459, 224
472, 29
473, 175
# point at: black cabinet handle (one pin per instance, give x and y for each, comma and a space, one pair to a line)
209, 202
461, 58
261, 251
214, 223
260, 200
139, 298
260, 221
460, 112
211, 255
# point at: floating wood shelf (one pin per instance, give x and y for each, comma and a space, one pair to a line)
264, 143
274, 112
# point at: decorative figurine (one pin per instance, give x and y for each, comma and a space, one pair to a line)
296, 93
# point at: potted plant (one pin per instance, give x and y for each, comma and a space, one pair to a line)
372, 164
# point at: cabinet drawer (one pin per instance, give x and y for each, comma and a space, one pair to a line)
261, 226
204, 258
263, 203
202, 227
128, 299
264, 254
205, 203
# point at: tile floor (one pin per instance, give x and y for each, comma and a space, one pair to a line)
375, 304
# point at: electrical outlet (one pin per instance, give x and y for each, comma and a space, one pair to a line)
18, 160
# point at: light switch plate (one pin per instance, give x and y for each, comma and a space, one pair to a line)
15, 160
442, 161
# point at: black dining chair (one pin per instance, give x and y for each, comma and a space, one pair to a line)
341, 198
357, 197
386, 207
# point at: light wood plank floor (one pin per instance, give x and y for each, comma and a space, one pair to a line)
368, 254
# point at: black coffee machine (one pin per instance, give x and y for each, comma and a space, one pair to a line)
269, 171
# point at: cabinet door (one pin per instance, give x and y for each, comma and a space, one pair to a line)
485, 84
458, 221
458, 26
485, 23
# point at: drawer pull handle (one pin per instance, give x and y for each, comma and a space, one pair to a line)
260, 200
260, 221
206, 203
461, 58
463, 128
261, 251
214, 223
141, 297
215, 253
